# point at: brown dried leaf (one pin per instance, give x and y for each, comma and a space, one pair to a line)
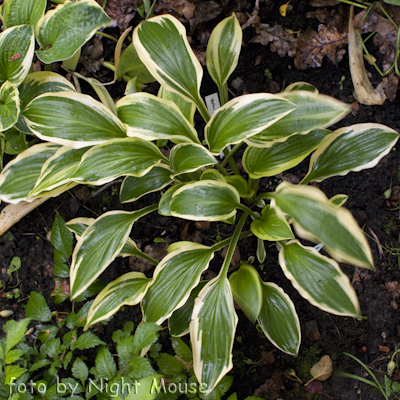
323, 3
390, 85
315, 388
280, 40
323, 369
321, 14
182, 9
91, 56
393, 288
122, 11
312, 46
384, 349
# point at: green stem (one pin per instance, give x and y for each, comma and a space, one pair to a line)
247, 210
148, 258
255, 185
223, 243
267, 195
232, 163
221, 169
355, 4
201, 106
107, 36
223, 93
111, 67
231, 153
232, 245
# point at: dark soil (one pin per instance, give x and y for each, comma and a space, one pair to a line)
364, 339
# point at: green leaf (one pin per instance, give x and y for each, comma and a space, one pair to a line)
61, 237
175, 67
170, 366
35, 84
147, 388
243, 117
247, 291
14, 355
106, 162
19, 176
140, 367
318, 220
17, 45
131, 65
86, 341
15, 332
137, 111
353, 148
105, 364
188, 108
99, 246
178, 323
80, 370
146, 334
214, 311
181, 349
15, 141
39, 364
213, 175
339, 199
128, 289
314, 111
319, 279
63, 30
21, 12
278, 319
72, 119
9, 106
281, 156
13, 372
189, 157
133, 188
272, 226
37, 309
214, 201
223, 50
240, 184
173, 280
164, 206
301, 86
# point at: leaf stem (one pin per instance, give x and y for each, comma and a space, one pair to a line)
232, 245
247, 210
231, 162
223, 243
201, 106
231, 154
107, 36
223, 93
267, 195
221, 169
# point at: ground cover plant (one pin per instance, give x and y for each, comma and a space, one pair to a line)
279, 133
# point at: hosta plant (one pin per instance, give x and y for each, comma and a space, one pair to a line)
87, 142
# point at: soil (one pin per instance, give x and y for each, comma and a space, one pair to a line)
259, 369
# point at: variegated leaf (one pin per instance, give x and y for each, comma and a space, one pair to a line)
175, 66
133, 187
15, 141
189, 157
19, 176
164, 206
319, 279
128, 289
241, 185
318, 220
247, 291
9, 106
36, 84
353, 148
278, 319
214, 201
188, 108
301, 86
178, 322
131, 65
272, 226
212, 175
21, 12
63, 30
339, 199
57, 170
223, 50
243, 117
99, 245
106, 162
314, 111
173, 280
72, 119
213, 312
138, 111
281, 156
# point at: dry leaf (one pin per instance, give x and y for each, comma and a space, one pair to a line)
312, 331
393, 288
384, 349
15, 56
122, 11
323, 3
312, 46
236, 255
280, 41
92, 56
182, 9
315, 388
322, 15
322, 370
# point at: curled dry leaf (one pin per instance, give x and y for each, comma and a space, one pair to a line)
122, 11
323, 3
182, 9
280, 40
312, 46
393, 288
321, 370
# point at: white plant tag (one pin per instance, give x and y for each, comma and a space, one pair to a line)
212, 103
